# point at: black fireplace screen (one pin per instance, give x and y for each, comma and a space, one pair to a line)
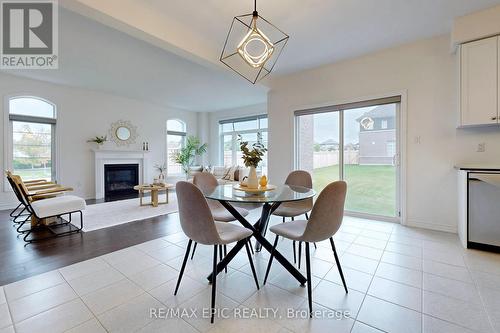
120, 179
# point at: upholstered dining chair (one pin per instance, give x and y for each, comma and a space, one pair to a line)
207, 182
326, 218
199, 225
294, 209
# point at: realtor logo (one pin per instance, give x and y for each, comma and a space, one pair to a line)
29, 37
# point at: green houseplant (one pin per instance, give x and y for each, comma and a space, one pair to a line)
186, 155
98, 140
252, 156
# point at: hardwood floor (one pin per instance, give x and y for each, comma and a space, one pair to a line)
19, 261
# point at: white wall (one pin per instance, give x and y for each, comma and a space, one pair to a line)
83, 114
428, 73
214, 152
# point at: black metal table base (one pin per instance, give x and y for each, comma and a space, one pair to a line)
259, 231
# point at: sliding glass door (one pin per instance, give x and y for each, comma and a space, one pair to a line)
359, 145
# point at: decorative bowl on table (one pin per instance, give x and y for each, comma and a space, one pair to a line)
254, 191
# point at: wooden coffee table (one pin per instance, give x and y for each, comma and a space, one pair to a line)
155, 190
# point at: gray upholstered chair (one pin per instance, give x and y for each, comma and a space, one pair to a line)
207, 182
326, 218
198, 224
296, 208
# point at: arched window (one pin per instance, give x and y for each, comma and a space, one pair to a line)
32, 123
176, 139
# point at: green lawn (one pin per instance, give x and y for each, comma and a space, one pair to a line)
38, 173
370, 189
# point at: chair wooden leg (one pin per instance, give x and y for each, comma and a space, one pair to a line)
214, 281
247, 246
309, 281
183, 266
194, 250
338, 264
271, 259
300, 253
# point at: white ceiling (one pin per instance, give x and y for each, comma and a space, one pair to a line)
94, 56
167, 51
323, 31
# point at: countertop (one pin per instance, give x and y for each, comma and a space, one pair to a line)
478, 167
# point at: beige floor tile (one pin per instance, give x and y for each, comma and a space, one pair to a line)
91, 326
2, 296
187, 289
365, 251
452, 288
154, 276
402, 260
456, 311
111, 296
168, 325
8, 329
359, 263
333, 296
398, 293
168, 253
400, 274
356, 280
237, 286
33, 304
32, 285
389, 317
447, 271
359, 327
58, 319
130, 316
435, 325
83, 268
274, 297
408, 250
5, 318
96, 280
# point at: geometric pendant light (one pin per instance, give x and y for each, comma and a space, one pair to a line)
253, 45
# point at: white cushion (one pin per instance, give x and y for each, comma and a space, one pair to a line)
58, 205
218, 171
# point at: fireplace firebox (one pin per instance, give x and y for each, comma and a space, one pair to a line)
119, 181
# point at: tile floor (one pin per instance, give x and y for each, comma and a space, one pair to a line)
400, 280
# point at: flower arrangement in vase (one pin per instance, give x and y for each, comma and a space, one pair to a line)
252, 156
161, 168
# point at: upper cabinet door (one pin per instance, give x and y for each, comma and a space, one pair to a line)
479, 82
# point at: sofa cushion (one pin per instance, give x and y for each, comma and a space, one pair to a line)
58, 205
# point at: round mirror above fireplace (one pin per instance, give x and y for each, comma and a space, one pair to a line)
123, 133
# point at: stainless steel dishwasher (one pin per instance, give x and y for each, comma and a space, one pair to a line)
484, 211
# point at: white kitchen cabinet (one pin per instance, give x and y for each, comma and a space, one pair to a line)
479, 82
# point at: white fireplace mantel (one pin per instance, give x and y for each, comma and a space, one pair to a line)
107, 156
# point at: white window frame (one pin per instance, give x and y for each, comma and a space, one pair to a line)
8, 134
234, 134
182, 134
400, 161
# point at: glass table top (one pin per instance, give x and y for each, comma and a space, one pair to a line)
282, 193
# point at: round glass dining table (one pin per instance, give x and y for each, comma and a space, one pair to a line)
228, 196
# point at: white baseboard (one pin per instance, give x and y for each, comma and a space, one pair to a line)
431, 226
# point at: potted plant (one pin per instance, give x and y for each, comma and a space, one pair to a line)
251, 158
186, 155
98, 140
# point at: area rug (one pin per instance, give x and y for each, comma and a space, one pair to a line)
108, 214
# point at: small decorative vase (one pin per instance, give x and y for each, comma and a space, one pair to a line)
161, 177
252, 181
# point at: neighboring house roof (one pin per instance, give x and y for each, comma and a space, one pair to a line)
382, 111
329, 142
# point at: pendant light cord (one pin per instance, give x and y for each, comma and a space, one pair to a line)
255, 8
